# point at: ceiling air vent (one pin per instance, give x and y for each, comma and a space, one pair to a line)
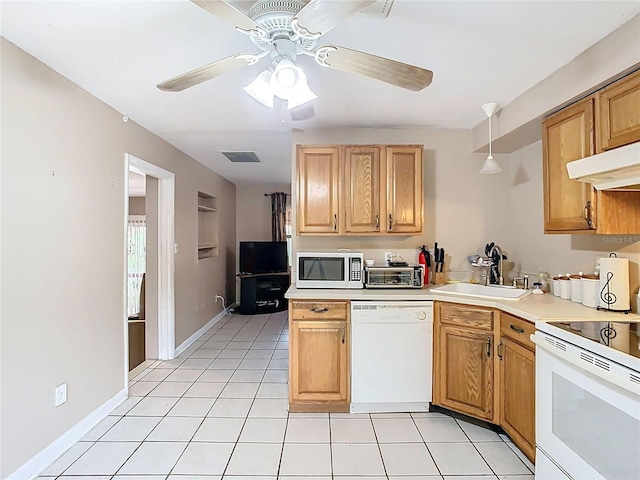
242, 157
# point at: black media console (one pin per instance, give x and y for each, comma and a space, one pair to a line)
263, 292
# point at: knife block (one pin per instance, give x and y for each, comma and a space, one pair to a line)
438, 278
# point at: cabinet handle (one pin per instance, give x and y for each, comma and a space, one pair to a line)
500, 350
377, 222
587, 214
390, 222
319, 310
343, 333
335, 222
516, 329
488, 347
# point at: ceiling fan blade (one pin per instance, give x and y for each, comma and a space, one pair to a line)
384, 69
302, 112
230, 14
204, 73
320, 16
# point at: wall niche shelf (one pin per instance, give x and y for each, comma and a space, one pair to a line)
207, 226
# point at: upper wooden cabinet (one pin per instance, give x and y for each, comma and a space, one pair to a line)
605, 120
379, 190
318, 189
362, 189
404, 189
619, 113
569, 205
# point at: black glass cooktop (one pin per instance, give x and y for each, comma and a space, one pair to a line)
622, 336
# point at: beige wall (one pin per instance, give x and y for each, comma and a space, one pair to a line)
519, 123
136, 206
63, 209
556, 254
254, 211
463, 210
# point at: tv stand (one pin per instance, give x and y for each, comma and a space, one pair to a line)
263, 292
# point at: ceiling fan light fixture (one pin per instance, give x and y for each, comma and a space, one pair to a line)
306, 95
260, 89
490, 165
287, 80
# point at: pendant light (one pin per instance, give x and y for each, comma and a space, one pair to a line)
490, 165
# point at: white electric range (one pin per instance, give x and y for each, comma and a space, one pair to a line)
588, 400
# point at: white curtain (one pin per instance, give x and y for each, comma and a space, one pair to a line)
136, 255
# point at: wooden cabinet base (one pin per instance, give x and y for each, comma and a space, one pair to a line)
319, 407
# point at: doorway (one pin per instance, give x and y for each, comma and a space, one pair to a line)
159, 277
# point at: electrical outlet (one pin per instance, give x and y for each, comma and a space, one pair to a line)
387, 257
61, 394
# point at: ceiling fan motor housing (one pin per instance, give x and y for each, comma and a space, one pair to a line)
274, 16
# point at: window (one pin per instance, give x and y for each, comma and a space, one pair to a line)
136, 261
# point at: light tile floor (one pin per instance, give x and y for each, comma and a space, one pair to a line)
220, 410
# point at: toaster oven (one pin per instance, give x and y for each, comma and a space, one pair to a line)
411, 276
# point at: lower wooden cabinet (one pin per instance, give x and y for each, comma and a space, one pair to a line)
474, 376
318, 356
463, 359
516, 353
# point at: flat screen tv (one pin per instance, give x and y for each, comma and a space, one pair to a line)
263, 257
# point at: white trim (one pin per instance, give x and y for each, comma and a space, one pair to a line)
166, 258
189, 341
34, 466
140, 368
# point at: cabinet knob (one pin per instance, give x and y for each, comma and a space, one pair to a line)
390, 222
377, 222
319, 310
335, 222
500, 350
343, 334
488, 347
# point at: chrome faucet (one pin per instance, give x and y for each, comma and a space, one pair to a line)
496, 248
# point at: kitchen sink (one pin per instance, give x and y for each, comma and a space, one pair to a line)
497, 292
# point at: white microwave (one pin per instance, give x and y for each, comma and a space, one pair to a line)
329, 270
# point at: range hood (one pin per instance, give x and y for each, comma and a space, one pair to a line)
616, 169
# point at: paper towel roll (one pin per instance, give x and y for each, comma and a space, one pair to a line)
614, 283
621, 339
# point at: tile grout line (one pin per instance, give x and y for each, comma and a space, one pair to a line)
375, 434
427, 446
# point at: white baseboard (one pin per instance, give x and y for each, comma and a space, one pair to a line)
33, 467
189, 341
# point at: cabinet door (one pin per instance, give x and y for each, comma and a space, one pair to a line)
318, 189
517, 394
569, 205
465, 371
319, 368
619, 113
362, 189
404, 189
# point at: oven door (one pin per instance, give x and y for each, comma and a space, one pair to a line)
587, 425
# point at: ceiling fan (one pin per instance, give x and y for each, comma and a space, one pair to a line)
285, 29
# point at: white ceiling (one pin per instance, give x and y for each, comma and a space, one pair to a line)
479, 51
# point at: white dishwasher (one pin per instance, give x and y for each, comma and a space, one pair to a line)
391, 356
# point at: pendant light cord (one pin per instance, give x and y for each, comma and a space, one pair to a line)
490, 136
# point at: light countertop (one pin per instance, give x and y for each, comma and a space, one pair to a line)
545, 307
